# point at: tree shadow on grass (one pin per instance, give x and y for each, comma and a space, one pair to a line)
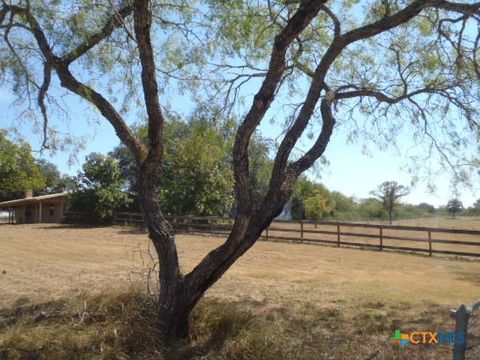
471, 277
133, 231
249, 329
22, 309
72, 226
213, 324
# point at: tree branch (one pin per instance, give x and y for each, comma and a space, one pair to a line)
122, 130
262, 100
279, 175
70, 82
216, 262
336, 23
91, 41
318, 148
212, 267
143, 22
47, 75
318, 78
466, 9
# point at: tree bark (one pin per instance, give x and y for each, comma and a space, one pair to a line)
173, 309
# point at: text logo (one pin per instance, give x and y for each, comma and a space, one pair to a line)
427, 338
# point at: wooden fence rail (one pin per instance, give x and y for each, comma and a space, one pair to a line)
425, 240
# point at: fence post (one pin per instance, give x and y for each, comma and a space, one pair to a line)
381, 238
338, 235
301, 231
461, 325
429, 243
266, 234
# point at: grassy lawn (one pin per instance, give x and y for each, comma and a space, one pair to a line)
63, 289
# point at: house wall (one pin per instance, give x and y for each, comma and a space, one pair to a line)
47, 216
20, 214
58, 212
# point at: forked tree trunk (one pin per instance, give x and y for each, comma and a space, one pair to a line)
179, 294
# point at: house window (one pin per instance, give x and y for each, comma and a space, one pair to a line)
51, 209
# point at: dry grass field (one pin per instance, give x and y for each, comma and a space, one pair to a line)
460, 222
279, 301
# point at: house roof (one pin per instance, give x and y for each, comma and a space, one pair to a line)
31, 200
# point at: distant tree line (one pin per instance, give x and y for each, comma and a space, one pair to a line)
196, 178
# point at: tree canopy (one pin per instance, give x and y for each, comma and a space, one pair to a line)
389, 193
196, 175
413, 62
55, 182
51, 174
18, 170
99, 188
454, 206
476, 206
311, 200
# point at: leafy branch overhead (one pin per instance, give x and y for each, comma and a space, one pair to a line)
374, 67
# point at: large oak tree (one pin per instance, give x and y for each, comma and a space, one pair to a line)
377, 66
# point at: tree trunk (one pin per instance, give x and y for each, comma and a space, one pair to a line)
174, 311
173, 305
178, 294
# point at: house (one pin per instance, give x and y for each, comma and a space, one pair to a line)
36, 209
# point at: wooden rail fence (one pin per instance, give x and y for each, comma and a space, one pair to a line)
457, 242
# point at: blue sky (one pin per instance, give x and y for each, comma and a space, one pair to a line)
349, 171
